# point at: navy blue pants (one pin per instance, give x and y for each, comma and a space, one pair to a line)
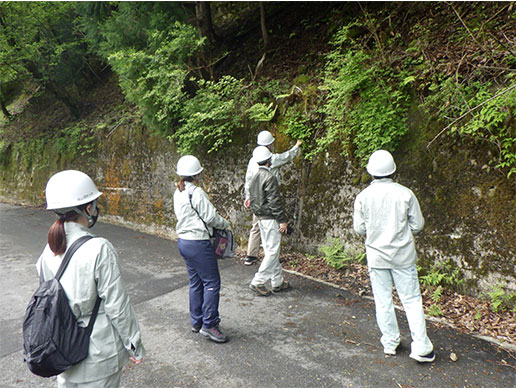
203, 270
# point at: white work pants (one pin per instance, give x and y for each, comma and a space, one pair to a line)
112, 381
270, 268
407, 287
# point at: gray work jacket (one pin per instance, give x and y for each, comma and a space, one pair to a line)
265, 196
93, 270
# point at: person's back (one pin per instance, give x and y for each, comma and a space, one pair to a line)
92, 272
265, 139
389, 215
265, 196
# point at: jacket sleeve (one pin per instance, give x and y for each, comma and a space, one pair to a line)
415, 217
252, 167
117, 304
272, 193
207, 211
358, 218
279, 160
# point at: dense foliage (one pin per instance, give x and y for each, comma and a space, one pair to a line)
376, 69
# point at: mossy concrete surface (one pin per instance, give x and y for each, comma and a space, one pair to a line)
470, 211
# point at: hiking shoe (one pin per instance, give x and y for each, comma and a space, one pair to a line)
195, 329
390, 352
283, 286
426, 358
214, 334
260, 289
250, 260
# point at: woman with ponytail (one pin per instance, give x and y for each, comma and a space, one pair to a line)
93, 272
196, 218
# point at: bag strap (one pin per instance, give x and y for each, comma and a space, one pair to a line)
68, 255
190, 194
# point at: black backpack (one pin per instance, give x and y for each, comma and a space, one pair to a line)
52, 339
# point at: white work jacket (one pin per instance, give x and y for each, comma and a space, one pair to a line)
277, 161
189, 225
93, 270
388, 214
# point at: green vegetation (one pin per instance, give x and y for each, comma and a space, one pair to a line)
441, 277
167, 62
212, 117
367, 102
338, 256
501, 300
429, 82
443, 274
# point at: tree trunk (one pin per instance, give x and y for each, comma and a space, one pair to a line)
4, 108
265, 34
204, 20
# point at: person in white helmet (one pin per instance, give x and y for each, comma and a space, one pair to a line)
266, 205
196, 218
388, 215
266, 139
93, 270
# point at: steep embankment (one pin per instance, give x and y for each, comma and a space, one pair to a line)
469, 206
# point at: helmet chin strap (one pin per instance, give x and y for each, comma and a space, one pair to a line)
92, 218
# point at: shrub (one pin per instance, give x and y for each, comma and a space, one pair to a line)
338, 256
212, 116
367, 104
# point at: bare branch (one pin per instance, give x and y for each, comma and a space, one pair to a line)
468, 112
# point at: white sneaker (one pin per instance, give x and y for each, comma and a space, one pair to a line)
426, 358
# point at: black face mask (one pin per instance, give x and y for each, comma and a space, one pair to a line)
92, 218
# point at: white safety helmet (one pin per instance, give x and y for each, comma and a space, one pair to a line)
188, 165
381, 163
261, 154
68, 189
265, 138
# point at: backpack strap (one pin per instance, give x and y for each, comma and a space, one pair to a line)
190, 194
68, 255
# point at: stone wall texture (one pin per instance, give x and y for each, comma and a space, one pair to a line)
470, 211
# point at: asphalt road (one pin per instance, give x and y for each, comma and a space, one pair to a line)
314, 335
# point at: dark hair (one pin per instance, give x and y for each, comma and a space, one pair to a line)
181, 184
381, 177
264, 162
56, 233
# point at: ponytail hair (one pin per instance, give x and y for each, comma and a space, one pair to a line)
181, 184
56, 233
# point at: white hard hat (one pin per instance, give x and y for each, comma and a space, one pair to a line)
381, 164
265, 138
68, 189
261, 154
188, 165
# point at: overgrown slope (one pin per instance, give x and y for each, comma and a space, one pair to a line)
417, 78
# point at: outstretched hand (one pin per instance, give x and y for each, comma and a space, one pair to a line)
299, 142
135, 361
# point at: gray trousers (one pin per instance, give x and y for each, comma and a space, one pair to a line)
253, 246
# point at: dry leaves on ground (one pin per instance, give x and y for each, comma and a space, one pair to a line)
465, 313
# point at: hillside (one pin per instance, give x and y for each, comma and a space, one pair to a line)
420, 79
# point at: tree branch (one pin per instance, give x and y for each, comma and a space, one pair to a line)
468, 112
